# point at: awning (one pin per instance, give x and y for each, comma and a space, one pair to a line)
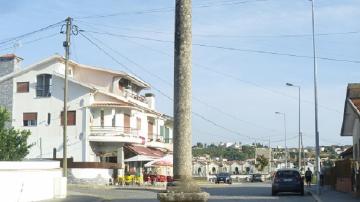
141, 150
164, 161
139, 158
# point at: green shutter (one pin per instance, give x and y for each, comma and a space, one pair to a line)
167, 135
162, 131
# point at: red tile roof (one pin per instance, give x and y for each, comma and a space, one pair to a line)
8, 56
140, 150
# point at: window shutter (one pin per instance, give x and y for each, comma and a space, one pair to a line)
22, 87
71, 118
29, 116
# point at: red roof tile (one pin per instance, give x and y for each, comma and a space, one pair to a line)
8, 56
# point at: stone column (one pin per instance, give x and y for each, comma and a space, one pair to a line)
185, 188
182, 91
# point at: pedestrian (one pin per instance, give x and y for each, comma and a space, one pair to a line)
308, 177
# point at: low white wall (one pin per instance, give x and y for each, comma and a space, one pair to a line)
29, 180
89, 175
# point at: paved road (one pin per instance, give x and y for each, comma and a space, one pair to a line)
252, 192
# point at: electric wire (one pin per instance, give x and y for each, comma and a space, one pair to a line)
169, 9
5, 41
169, 97
229, 48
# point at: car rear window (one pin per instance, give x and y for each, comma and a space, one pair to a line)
287, 174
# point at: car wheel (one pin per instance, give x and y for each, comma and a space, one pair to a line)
273, 193
302, 192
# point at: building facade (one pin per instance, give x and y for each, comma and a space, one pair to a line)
106, 110
351, 124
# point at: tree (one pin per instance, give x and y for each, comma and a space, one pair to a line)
13, 143
262, 162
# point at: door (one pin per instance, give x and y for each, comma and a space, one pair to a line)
150, 130
127, 123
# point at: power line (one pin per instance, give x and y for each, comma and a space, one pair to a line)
232, 76
212, 35
170, 84
30, 33
170, 9
170, 98
31, 41
229, 48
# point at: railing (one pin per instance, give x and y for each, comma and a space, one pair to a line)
114, 130
136, 97
43, 91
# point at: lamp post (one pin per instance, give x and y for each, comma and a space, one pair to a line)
286, 151
300, 138
317, 148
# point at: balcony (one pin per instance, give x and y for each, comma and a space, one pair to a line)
160, 142
115, 134
136, 97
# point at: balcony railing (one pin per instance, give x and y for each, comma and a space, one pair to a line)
114, 130
43, 91
136, 97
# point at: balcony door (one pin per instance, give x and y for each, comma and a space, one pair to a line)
127, 123
150, 130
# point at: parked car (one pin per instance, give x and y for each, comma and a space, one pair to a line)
256, 178
287, 180
223, 177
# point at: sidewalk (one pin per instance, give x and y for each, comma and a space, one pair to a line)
328, 195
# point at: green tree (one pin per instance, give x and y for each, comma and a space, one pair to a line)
13, 143
262, 162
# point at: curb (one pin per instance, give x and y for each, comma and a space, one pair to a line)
315, 196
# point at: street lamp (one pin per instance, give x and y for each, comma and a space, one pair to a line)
300, 136
286, 151
317, 148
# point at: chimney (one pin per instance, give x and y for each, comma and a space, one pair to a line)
9, 63
150, 100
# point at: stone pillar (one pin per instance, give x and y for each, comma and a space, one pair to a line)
185, 188
182, 91
120, 157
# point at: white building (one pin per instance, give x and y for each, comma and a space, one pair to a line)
351, 118
105, 110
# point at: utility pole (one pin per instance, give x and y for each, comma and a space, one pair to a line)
66, 45
299, 130
317, 148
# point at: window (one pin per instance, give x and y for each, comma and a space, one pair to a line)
138, 123
71, 118
22, 87
30, 119
49, 119
43, 83
113, 121
102, 118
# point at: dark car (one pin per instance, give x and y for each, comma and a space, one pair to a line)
256, 178
223, 177
287, 180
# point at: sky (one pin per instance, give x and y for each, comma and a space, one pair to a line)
244, 51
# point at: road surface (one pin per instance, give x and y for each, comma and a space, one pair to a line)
252, 192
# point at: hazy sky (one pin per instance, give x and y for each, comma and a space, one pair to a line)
237, 89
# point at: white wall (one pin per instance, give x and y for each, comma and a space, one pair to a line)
51, 136
90, 175
29, 181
